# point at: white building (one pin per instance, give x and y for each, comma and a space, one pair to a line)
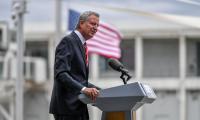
162, 53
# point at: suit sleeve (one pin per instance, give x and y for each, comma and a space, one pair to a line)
90, 85
62, 66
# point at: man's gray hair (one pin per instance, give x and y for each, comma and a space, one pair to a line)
84, 17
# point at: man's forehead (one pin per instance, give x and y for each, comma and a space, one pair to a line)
93, 17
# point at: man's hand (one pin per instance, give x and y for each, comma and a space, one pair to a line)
91, 92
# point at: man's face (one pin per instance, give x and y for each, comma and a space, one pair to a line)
89, 27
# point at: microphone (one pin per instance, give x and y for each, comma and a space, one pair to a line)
116, 65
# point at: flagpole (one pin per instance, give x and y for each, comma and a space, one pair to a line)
19, 9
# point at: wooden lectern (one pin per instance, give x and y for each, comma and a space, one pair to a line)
117, 116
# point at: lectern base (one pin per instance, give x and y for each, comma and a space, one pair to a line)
125, 115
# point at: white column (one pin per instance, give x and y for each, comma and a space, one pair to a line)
58, 21
94, 66
28, 68
51, 56
138, 67
95, 113
138, 57
182, 57
182, 75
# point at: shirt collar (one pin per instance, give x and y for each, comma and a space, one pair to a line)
80, 36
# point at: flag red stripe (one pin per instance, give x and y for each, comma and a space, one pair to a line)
105, 55
105, 42
96, 45
108, 34
111, 29
104, 52
105, 30
110, 39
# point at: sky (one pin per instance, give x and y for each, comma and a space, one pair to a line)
42, 11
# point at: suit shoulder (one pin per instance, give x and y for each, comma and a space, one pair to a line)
66, 40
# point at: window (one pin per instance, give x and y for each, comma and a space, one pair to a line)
193, 57
127, 59
128, 54
161, 109
193, 104
105, 69
3, 35
38, 49
161, 58
1, 69
1, 39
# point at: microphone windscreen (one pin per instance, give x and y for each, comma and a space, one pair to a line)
115, 64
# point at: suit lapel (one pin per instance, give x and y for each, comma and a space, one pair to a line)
78, 41
80, 45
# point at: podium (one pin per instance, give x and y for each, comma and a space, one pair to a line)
125, 98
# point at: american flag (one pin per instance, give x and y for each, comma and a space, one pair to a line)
106, 41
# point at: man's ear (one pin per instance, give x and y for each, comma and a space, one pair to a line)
81, 23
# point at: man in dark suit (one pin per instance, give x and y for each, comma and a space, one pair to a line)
71, 71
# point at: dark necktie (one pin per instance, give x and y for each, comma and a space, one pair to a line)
86, 53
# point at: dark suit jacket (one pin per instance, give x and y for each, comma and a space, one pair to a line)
70, 76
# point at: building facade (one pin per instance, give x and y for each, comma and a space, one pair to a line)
166, 58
